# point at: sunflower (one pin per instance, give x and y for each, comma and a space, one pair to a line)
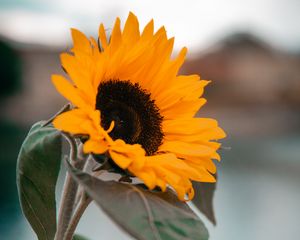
134, 107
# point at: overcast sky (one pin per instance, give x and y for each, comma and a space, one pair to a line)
194, 23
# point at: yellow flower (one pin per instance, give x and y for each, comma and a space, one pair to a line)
131, 104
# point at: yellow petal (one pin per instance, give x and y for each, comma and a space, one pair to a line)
167, 175
68, 91
216, 156
131, 32
170, 72
102, 36
213, 133
187, 126
121, 146
162, 184
116, 37
81, 78
202, 165
148, 177
95, 146
205, 175
72, 121
183, 109
81, 42
188, 149
120, 159
148, 30
94, 44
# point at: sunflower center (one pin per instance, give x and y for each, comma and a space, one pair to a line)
137, 118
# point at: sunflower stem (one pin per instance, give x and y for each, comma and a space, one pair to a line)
73, 147
83, 204
69, 191
66, 206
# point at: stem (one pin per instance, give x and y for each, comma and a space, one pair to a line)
86, 168
66, 206
83, 204
73, 147
65, 108
69, 192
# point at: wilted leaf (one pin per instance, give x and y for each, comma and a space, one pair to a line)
143, 214
204, 193
37, 171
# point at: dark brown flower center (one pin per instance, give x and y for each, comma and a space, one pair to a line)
137, 118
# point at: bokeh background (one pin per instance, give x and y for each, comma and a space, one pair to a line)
251, 51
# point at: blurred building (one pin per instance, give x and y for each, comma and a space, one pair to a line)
246, 71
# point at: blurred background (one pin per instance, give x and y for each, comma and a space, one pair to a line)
251, 51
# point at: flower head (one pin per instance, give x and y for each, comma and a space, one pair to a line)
132, 104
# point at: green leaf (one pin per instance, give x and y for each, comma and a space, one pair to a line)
79, 237
203, 200
142, 213
37, 171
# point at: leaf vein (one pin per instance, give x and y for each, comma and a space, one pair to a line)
37, 189
150, 215
34, 213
